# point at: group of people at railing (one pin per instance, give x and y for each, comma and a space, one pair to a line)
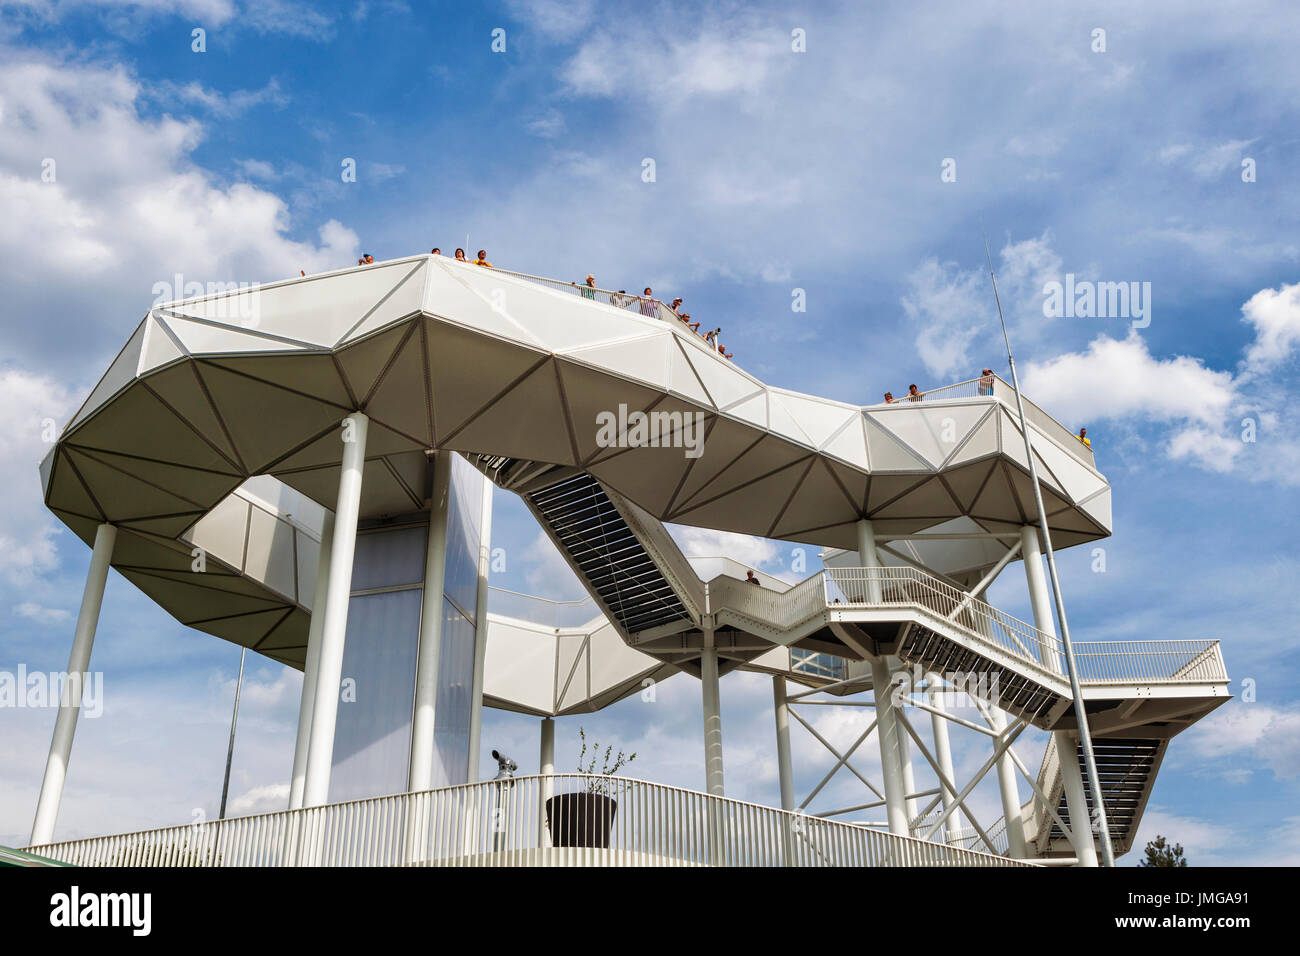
649, 306
985, 384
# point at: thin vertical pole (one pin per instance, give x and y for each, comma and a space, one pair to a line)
230, 747
1080, 712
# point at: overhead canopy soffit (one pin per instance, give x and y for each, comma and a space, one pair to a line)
210, 391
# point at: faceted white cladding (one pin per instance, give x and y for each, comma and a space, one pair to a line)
641, 359
320, 312
209, 392
817, 418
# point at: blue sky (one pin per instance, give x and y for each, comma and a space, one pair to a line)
775, 171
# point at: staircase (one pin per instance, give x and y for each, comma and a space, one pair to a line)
614, 552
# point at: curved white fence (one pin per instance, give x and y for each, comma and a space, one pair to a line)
507, 824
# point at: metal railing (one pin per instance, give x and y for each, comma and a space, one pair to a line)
651, 307
1098, 662
528, 821
875, 587
1165, 662
647, 306
540, 610
779, 610
1002, 391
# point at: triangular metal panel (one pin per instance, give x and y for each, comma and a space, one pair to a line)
119, 375
642, 359
682, 379
886, 453
317, 311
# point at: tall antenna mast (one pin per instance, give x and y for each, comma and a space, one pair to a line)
1085, 738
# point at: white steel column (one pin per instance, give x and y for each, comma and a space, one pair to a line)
480, 629
312, 666
890, 765
325, 707
869, 558
712, 716
420, 776
785, 765
1076, 801
943, 754
65, 724
909, 777
1039, 597
1007, 788
546, 767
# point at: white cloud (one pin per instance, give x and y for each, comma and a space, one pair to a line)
707, 543
32, 407
1270, 735
221, 105
550, 125
1275, 315
44, 615
555, 19
1206, 162
94, 241
668, 66
950, 306
265, 799
1120, 378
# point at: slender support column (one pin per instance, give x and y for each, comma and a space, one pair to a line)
546, 767
1067, 753
869, 558
943, 754
1010, 794
785, 765
909, 777
420, 776
480, 630
311, 669
325, 708
890, 764
712, 716
65, 724
1039, 597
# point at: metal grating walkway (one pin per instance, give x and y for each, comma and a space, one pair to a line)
607, 554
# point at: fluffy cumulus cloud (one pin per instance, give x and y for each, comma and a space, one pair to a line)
95, 190
32, 409
1269, 735
101, 202
1275, 316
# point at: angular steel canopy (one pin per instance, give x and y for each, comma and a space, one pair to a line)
211, 391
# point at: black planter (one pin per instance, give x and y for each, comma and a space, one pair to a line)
580, 819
